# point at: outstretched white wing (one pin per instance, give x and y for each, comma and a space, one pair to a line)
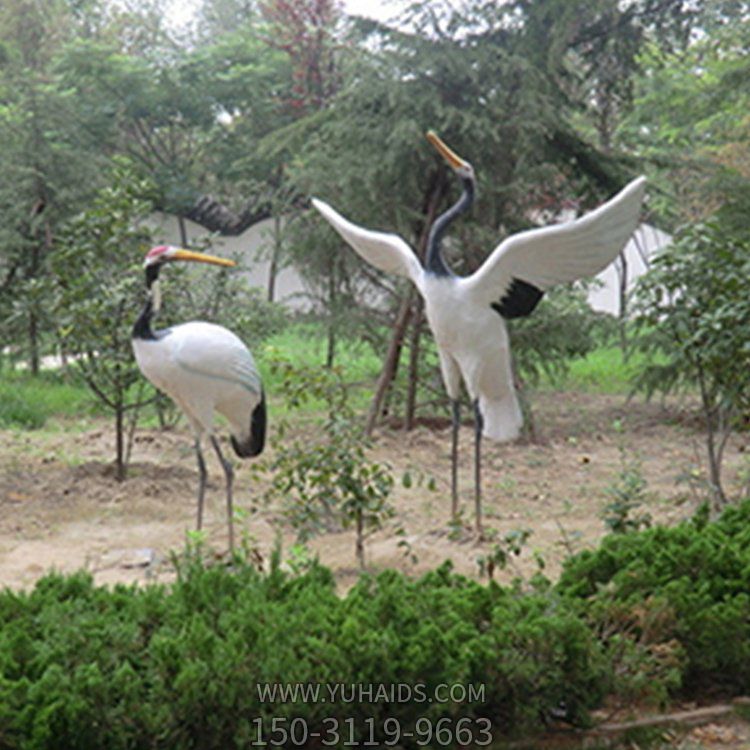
524, 265
388, 252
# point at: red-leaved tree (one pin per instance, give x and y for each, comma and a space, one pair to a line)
304, 29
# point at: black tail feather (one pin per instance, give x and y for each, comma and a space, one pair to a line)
253, 446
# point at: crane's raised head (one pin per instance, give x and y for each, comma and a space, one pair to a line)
461, 167
166, 253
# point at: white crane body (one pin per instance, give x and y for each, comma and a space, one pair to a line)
204, 368
473, 346
467, 314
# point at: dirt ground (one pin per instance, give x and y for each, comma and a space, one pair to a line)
63, 509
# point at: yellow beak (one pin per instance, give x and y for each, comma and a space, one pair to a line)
192, 255
445, 151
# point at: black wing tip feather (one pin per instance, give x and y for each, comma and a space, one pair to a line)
253, 446
519, 301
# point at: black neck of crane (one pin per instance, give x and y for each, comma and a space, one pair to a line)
142, 328
435, 263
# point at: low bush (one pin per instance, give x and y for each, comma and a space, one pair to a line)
179, 666
682, 589
211, 660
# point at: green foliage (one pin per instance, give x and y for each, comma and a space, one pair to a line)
628, 493
126, 99
48, 166
95, 285
693, 311
181, 666
16, 411
680, 591
328, 482
28, 402
646, 615
690, 116
502, 552
695, 317
562, 329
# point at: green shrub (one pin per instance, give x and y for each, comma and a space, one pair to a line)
698, 571
178, 666
328, 480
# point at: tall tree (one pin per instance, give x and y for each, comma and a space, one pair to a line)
219, 18
156, 114
690, 120
47, 166
95, 287
696, 316
305, 31
482, 83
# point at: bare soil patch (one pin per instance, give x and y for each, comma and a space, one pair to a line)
62, 508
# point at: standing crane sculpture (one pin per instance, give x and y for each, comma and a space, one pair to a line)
467, 314
204, 368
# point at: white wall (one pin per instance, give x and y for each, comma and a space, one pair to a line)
253, 247
645, 242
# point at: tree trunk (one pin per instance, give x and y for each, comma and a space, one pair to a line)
623, 295
273, 268
434, 194
714, 466
133, 421
37, 254
33, 331
120, 437
360, 542
414, 340
332, 314
38, 247
527, 412
391, 361
331, 346
183, 231
717, 442
712, 413
603, 126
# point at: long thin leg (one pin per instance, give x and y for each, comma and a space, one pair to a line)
478, 425
202, 475
229, 473
455, 423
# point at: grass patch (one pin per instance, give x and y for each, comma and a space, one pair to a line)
27, 401
604, 370
305, 345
